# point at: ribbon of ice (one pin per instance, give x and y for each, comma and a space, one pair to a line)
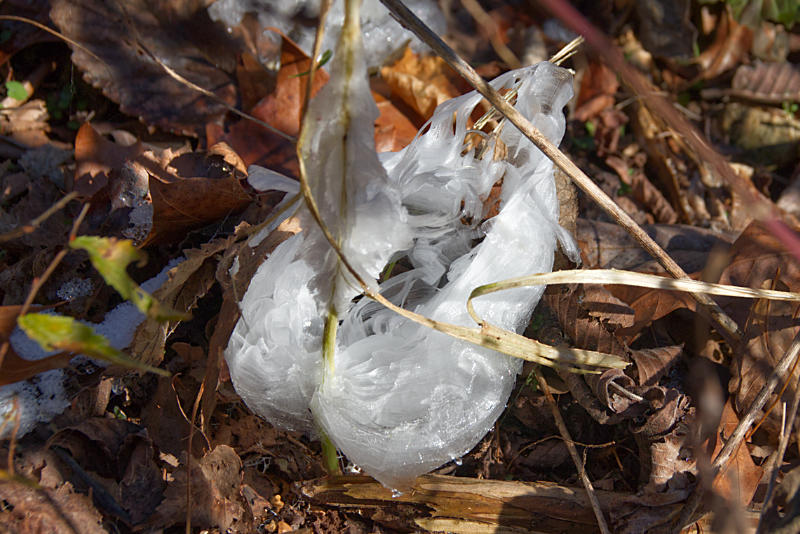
397, 398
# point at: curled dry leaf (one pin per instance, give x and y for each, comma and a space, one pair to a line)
731, 43
169, 193
194, 200
652, 364
127, 37
643, 190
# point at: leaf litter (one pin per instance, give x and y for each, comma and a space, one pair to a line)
655, 330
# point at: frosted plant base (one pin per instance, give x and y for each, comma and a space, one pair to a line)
401, 399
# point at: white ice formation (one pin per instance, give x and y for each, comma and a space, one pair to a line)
400, 399
383, 36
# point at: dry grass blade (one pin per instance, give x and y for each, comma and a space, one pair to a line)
724, 323
629, 278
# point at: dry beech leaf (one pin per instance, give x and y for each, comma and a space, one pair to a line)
120, 451
215, 495
599, 85
643, 191
759, 259
731, 44
125, 34
768, 83
589, 332
649, 305
601, 304
739, 480
96, 158
393, 130
652, 364
280, 107
188, 202
606, 245
31, 510
421, 82
187, 283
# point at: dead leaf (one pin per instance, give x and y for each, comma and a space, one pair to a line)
127, 36
652, 364
393, 130
607, 246
767, 83
766, 135
665, 27
739, 480
600, 304
187, 283
215, 495
421, 82
760, 259
280, 109
731, 43
649, 305
598, 87
643, 190
32, 511
96, 158
120, 451
211, 191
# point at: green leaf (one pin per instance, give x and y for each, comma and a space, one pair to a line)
16, 90
111, 257
324, 58
59, 332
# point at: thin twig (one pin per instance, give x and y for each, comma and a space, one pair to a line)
51, 31
738, 435
573, 452
35, 223
189, 456
726, 326
783, 444
490, 27
39, 282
